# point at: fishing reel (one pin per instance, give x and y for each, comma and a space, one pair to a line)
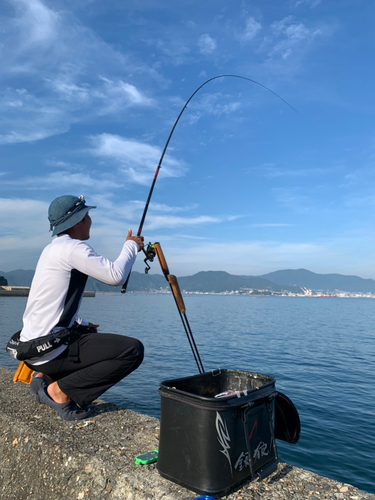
150, 253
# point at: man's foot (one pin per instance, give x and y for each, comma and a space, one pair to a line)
36, 384
66, 411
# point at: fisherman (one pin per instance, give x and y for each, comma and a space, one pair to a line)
74, 363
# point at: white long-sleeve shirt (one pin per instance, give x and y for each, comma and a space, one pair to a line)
58, 285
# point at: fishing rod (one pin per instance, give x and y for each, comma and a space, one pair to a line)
124, 286
175, 288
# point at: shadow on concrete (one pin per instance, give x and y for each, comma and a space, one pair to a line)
99, 407
281, 473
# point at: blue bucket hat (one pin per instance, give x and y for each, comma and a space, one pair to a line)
65, 212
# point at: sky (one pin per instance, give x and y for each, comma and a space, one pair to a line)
251, 182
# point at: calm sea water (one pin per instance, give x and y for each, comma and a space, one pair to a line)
321, 352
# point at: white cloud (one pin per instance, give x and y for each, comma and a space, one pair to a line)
167, 221
64, 180
293, 198
109, 94
31, 120
27, 118
102, 96
70, 91
288, 41
247, 257
37, 23
66, 73
173, 50
311, 3
159, 215
292, 34
27, 136
161, 207
39, 41
216, 104
206, 45
20, 215
271, 224
24, 231
271, 171
252, 28
59, 163
137, 160
121, 94
132, 93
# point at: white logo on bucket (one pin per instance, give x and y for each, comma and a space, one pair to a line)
260, 450
223, 438
242, 462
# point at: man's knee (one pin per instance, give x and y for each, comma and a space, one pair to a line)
139, 351
135, 351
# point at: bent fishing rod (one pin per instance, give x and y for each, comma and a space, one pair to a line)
124, 286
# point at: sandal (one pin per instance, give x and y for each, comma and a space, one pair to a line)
66, 411
36, 384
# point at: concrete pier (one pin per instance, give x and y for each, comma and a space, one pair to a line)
45, 458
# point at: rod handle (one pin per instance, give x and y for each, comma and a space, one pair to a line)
161, 259
172, 280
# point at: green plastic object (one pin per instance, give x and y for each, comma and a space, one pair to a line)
147, 458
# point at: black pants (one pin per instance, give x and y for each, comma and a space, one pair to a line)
104, 360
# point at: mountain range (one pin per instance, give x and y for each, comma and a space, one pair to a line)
290, 280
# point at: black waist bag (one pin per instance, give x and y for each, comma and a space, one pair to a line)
43, 345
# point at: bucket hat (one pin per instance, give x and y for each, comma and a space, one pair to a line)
65, 212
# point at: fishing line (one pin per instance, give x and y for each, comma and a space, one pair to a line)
124, 286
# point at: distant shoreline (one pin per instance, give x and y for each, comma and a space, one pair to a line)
340, 295
289, 282
10, 291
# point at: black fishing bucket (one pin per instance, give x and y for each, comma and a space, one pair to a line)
212, 444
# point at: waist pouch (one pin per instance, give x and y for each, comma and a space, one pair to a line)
43, 345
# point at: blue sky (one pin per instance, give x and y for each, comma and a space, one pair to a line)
90, 91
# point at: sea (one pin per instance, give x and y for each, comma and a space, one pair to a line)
319, 350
